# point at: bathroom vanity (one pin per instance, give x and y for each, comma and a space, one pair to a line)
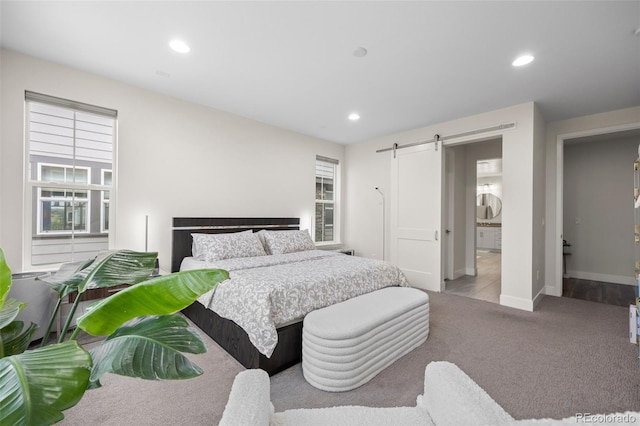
489, 236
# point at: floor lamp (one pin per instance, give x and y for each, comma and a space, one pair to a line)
383, 222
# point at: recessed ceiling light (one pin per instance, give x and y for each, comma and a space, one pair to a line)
179, 46
354, 116
522, 60
360, 52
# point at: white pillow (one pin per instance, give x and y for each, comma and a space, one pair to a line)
211, 247
260, 235
280, 242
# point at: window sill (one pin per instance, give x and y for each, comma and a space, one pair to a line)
69, 236
328, 246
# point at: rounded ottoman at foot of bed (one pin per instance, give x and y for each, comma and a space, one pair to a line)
347, 344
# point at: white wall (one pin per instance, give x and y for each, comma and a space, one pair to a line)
556, 132
598, 209
160, 177
539, 205
368, 169
174, 158
461, 230
456, 172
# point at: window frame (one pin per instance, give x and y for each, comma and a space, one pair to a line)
105, 202
63, 186
78, 241
335, 202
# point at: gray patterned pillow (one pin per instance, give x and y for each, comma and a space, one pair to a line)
211, 247
280, 242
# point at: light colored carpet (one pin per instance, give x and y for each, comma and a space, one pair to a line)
125, 401
567, 357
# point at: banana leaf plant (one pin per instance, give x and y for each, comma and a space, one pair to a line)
146, 338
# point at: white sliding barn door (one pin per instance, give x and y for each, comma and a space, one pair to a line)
416, 213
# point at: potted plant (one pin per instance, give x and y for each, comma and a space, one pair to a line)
37, 385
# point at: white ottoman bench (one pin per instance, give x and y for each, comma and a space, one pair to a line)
347, 344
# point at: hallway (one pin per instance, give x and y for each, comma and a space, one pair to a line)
486, 285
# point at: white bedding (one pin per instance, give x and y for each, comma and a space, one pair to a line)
265, 292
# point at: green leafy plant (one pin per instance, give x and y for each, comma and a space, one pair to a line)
146, 338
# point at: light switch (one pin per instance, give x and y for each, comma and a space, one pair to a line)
578, 220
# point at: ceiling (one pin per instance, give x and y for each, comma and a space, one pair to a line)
292, 64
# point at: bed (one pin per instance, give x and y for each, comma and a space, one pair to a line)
276, 279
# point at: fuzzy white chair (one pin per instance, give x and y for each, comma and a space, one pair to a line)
457, 400
450, 398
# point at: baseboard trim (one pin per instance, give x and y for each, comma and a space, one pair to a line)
538, 297
517, 302
458, 273
607, 278
553, 290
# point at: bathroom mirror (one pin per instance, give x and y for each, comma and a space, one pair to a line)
488, 206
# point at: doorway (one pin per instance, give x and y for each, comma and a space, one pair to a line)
473, 218
598, 248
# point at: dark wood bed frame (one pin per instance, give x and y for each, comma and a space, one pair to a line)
226, 333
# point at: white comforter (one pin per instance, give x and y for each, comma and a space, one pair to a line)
267, 291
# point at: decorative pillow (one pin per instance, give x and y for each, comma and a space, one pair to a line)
210, 247
260, 235
280, 242
202, 242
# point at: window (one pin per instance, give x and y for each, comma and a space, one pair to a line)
62, 210
326, 200
69, 176
104, 197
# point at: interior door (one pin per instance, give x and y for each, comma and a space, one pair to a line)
416, 214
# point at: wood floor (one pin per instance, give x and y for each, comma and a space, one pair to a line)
486, 285
596, 291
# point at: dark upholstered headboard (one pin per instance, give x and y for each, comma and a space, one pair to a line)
183, 227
